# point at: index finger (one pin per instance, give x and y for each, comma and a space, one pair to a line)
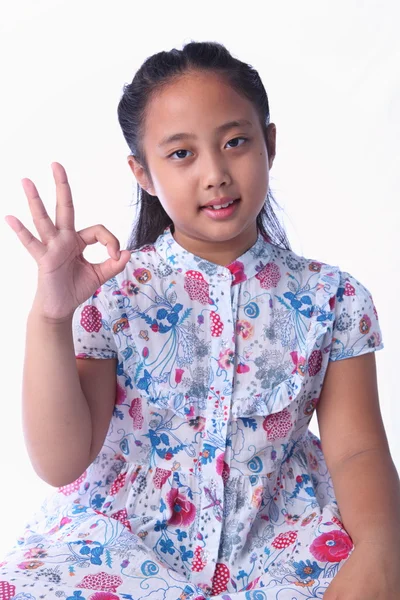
65, 213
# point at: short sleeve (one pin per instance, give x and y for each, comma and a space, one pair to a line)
356, 328
91, 328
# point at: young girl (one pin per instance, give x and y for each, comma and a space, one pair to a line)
183, 460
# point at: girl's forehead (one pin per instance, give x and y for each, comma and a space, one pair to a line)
196, 101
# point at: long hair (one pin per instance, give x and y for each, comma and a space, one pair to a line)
159, 70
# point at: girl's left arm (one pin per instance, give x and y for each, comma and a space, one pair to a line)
355, 446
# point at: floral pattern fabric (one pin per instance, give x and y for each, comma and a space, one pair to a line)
209, 482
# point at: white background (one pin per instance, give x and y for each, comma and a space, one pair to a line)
331, 71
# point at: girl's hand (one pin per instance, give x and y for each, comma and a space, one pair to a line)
65, 277
370, 573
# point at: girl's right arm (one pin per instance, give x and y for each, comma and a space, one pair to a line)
67, 402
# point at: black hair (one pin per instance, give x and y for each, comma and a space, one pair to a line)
159, 70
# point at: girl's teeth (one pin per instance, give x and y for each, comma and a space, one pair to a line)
218, 206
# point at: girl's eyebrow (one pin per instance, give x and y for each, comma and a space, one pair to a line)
221, 129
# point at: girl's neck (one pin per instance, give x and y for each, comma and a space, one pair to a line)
220, 253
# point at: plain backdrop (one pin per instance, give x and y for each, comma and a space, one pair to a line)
331, 71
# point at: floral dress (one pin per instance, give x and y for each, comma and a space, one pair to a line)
209, 482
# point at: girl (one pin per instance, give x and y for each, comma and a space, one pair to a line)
183, 459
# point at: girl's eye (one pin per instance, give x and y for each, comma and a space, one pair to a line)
230, 141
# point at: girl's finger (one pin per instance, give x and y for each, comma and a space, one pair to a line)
99, 233
44, 225
65, 213
35, 248
110, 267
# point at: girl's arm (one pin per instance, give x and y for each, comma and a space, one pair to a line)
356, 450
67, 403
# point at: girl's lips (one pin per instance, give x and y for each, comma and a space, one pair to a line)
221, 213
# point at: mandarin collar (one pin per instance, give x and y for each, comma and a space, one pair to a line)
244, 267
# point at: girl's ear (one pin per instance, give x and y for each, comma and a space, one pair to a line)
140, 175
271, 143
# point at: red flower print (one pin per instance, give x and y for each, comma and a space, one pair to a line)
222, 467
237, 270
7, 590
242, 368
67, 490
332, 302
197, 287
118, 483
269, 276
199, 562
91, 319
217, 325
120, 395
333, 546
365, 324
135, 412
183, 511
142, 275
178, 375
160, 477
122, 516
101, 581
349, 289
220, 579
278, 425
284, 540
315, 362
315, 266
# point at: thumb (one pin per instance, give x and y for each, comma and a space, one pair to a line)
111, 267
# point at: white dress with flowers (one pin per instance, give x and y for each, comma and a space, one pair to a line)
209, 482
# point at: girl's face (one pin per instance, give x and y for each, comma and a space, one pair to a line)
196, 154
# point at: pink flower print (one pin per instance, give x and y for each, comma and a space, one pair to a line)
269, 276
183, 511
365, 324
300, 363
121, 394
242, 368
103, 596
91, 319
30, 565
237, 270
245, 329
226, 358
198, 423
333, 546
35, 553
135, 412
148, 248
197, 287
67, 490
278, 425
128, 288
178, 375
101, 581
222, 467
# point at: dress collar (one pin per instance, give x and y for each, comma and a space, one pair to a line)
244, 267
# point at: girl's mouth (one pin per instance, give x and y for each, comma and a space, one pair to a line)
221, 211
